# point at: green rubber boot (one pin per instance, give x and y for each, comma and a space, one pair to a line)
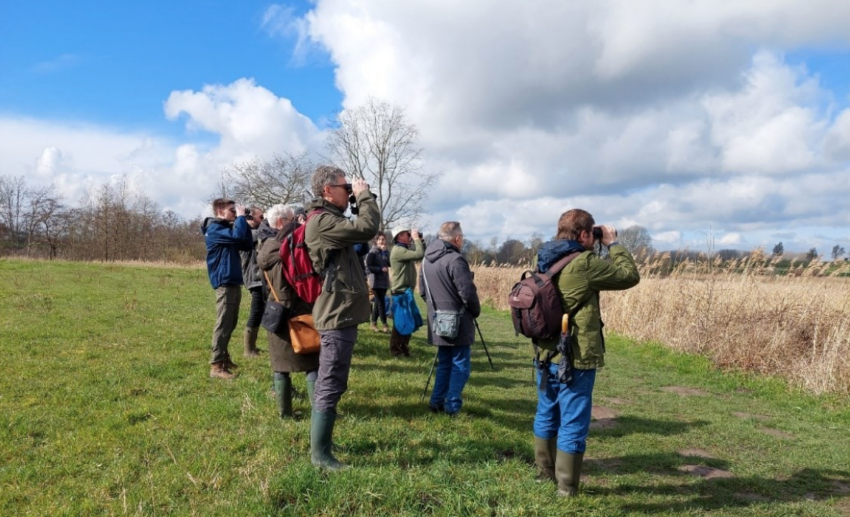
544, 458
568, 473
321, 436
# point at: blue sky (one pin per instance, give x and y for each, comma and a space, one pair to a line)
692, 118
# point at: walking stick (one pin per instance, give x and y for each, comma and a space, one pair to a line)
485, 344
429, 376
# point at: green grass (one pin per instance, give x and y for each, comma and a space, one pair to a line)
106, 408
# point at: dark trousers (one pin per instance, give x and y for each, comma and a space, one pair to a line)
379, 306
227, 298
334, 366
258, 305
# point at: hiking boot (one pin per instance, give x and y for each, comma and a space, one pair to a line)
251, 349
568, 473
230, 365
395, 338
436, 408
403, 345
220, 371
385, 330
321, 439
373, 328
544, 458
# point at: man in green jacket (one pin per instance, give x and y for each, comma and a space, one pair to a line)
563, 409
344, 302
408, 249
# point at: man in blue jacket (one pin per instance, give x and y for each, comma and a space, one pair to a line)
226, 235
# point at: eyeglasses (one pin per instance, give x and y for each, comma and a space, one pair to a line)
346, 186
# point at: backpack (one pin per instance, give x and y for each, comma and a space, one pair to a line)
536, 309
297, 266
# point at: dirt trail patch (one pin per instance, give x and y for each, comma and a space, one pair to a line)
685, 391
699, 453
705, 472
603, 418
775, 432
614, 401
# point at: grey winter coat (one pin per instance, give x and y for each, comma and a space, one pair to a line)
251, 275
281, 355
451, 285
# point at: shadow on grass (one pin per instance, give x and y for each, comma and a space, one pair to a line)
726, 492
626, 425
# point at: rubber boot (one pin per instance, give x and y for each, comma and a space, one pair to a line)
311, 390
544, 458
568, 473
403, 343
251, 342
321, 437
395, 338
283, 395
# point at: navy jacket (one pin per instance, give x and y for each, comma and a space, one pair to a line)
224, 242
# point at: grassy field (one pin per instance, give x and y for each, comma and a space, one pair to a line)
106, 408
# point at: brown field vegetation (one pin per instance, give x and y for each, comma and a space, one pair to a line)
741, 314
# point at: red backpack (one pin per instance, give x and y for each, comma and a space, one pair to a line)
297, 266
536, 308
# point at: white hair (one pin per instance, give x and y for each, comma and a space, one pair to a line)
278, 212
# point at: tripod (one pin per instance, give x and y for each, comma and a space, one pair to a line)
434, 362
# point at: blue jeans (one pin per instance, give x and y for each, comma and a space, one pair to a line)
564, 410
453, 366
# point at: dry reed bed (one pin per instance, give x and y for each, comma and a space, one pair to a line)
741, 316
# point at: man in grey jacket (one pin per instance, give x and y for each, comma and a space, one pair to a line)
253, 283
446, 284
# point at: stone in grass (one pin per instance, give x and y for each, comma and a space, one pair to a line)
705, 472
685, 391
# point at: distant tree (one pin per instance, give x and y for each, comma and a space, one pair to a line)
376, 142
837, 252
728, 254
511, 251
264, 183
473, 251
635, 238
812, 254
534, 244
778, 250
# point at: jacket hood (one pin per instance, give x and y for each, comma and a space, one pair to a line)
324, 204
438, 248
553, 251
210, 220
264, 231
376, 249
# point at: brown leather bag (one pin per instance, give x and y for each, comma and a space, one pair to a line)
303, 334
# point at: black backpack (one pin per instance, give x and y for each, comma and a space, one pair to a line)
535, 304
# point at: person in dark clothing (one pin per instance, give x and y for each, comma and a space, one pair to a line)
254, 283
446, 284
226, 235
282, 357
378, 267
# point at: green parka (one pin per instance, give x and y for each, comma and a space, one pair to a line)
581, 280
403, 265
330, 235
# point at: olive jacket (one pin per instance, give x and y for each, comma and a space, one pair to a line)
403, 265
281, 355
330, 237
579, 284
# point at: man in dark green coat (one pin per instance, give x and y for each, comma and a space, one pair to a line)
344, 302
563, 409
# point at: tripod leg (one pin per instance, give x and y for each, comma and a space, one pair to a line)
428, 382
485, 345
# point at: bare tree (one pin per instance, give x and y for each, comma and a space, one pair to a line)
377, 143
283, 179
635, 238
13, 196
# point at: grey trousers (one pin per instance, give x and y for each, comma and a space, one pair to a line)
227, 300
334, 365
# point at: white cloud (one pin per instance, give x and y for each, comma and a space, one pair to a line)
731, 239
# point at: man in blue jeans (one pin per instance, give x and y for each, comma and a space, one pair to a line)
446, 284
563, 409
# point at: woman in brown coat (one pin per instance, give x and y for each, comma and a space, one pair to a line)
283, 358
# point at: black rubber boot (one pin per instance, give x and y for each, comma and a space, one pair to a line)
544, 458
568, 473
251, 349
321, 436
283, 394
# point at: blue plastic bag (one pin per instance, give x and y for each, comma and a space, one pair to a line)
406, 316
